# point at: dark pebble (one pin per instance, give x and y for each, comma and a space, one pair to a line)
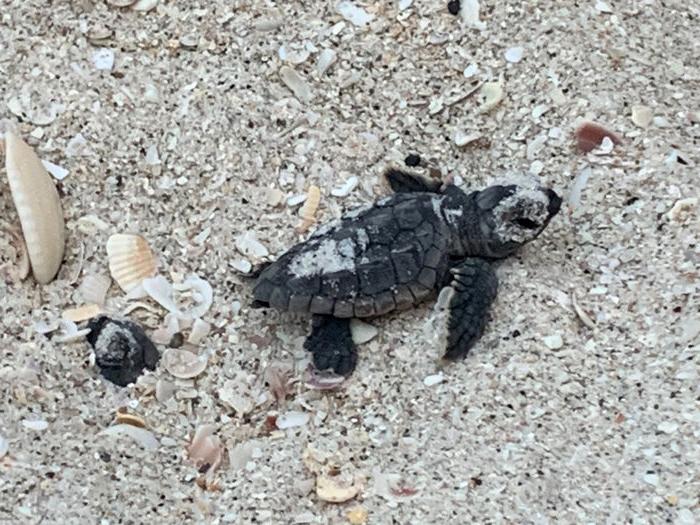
412, 160
453, 7
122, 349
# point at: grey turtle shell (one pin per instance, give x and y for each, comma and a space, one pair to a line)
372, 261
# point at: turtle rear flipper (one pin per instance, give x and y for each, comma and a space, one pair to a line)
331, 345
404, 182
467, 301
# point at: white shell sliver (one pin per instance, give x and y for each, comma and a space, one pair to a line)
38, 207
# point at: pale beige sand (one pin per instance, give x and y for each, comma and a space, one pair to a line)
602, 428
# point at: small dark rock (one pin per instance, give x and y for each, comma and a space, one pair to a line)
453, 7
412, 160
177, 340
122, 349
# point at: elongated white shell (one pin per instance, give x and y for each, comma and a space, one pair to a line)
130, 260
38, 207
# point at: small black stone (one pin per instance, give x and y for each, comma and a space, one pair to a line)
412, 160
122, 349
453, 7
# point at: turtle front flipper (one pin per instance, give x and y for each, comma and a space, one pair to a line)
331, 345
467, 300
404, 182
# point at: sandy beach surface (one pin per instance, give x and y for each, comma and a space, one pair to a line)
201, 125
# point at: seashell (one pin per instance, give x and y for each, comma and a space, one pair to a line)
248, 244
120, 3
492, 94
241, 266
143, 437
161, 291
357, 516
82, 313
470, 14
514, 54
274, 197
589, 135
184, 364
308, 211
346, 188
353, 14
434, 379
333, 490
23, 266
296, 83
69, 332
206, 449
325, 60
200, 329
292, 419
56, 171
130, 260
94, 288
642, 116
235, 394
164, 390
4, 447
362, 332
202, 293
39, 425
103, 59
38, 207
144, 5
124, 418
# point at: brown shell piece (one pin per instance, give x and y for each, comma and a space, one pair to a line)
130, 260
589, 135
38, 207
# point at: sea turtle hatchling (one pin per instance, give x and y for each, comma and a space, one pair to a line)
390, 256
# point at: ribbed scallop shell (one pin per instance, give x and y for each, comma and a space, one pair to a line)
130, 260
38, 207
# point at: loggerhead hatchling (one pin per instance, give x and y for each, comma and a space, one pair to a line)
390, 256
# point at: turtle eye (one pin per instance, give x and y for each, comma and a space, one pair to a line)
526, 223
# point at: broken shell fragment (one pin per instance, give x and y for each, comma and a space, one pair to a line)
130, 260
642, 116
183, 363
589, 135
200, 329
492, 94
94, 288
333, 490
124, 418
38, 207
308, 211
143, 437
122, 349
296, 83
206, 449
82, 313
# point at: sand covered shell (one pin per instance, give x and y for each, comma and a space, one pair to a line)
38, 207
130, 260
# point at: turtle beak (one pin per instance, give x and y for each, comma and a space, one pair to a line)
554, 203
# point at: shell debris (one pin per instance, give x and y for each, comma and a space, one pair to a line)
491, 93
308, 211
125, 418
94, 288
335, 489
38, 206
206, 449
183, 364
82, 313
296, 83
130, 260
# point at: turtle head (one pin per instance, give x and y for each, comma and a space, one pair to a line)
511, 216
